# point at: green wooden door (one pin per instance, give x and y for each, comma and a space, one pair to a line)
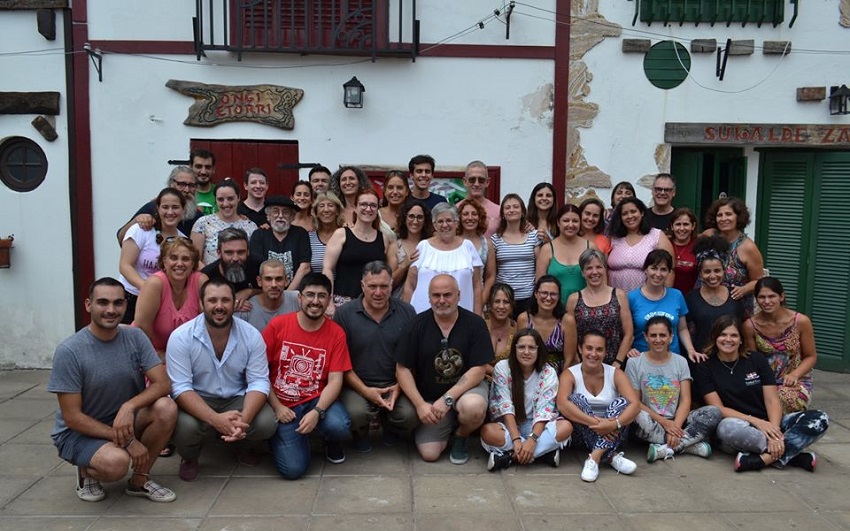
704, 175
802, 214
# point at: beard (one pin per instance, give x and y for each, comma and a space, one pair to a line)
191, 209
211, 322
280, 226
234, 273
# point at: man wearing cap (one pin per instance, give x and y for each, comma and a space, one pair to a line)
283, 241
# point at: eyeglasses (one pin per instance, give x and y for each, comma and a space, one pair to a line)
168, 239
478, 180
278, 212
416, 217
311, 295
448, 221
660, 190
548, 294
368, 206
184, 184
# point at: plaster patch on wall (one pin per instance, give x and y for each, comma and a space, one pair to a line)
662, 162
539, 105
589, 28
844, 13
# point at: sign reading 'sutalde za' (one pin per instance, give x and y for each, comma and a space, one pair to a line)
788, 135
215, 104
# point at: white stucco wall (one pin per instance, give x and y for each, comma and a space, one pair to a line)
633, 112
36, 293
457, 110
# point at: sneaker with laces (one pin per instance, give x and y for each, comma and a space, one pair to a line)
622, 465
657, 452
459, 453
590, 471
702, 449
88, 489
745, 462
152, 491
189, 470
805, 460
499, 461
334, 452
552, 458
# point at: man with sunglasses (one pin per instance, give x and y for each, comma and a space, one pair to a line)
440, 367
181, 178
663, 191
476, 179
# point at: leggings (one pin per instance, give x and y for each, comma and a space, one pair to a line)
801, 429
590, 438
700, 425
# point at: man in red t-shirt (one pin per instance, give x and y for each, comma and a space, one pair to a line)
307, 356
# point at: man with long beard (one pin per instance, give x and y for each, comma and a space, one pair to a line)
235, 265
283, 241
219, 379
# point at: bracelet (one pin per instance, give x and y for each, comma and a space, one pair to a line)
131, 441
617, 361
515, 439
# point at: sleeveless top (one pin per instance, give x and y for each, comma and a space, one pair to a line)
355, 254
684, 267
625, 263
554, 343
598, 403
737, 274
483, 252
400, 254
605, 318
569, 276
317, 250
784, 356
504, 347
168, 318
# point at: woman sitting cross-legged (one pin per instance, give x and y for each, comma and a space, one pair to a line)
600, 402
743, 386
531, 432
663, 381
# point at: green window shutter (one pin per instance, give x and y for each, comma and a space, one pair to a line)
783, 224
830, 274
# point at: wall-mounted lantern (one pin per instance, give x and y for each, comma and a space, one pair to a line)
353, 96
5, 255
839, 100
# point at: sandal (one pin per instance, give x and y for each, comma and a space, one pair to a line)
168, 451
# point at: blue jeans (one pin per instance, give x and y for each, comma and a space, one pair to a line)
800, 429
291, 450
589, 437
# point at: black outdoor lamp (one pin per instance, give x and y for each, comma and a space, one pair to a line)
839, 100
353, 96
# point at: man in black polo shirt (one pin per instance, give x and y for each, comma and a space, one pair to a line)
440, 366
235, 266
283, 241
374, 323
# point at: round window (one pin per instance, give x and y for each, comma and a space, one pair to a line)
667, 64
23, 164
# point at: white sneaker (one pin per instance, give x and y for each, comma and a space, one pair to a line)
702, 449
590, 471
657, 452
623, 465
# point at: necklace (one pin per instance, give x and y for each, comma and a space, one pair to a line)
732, 368
646, 294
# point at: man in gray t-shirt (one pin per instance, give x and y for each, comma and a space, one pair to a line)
274, 300
108, 421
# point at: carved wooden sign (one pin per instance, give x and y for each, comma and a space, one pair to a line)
215, 104
788, 135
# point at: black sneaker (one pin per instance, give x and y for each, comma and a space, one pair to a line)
552, 458
805, 460
361, 443
745, 462
499, 461
334, 452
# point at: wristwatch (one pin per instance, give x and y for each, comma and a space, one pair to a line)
534, 437
320, 411
449, 400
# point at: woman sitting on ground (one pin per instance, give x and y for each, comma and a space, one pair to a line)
531, 432
787, 340
743, 386
663, 382
600, 402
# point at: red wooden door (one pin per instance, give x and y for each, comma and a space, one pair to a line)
233, 157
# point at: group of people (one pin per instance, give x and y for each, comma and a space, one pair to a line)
541, 326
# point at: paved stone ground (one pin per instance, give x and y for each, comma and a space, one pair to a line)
391, 489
